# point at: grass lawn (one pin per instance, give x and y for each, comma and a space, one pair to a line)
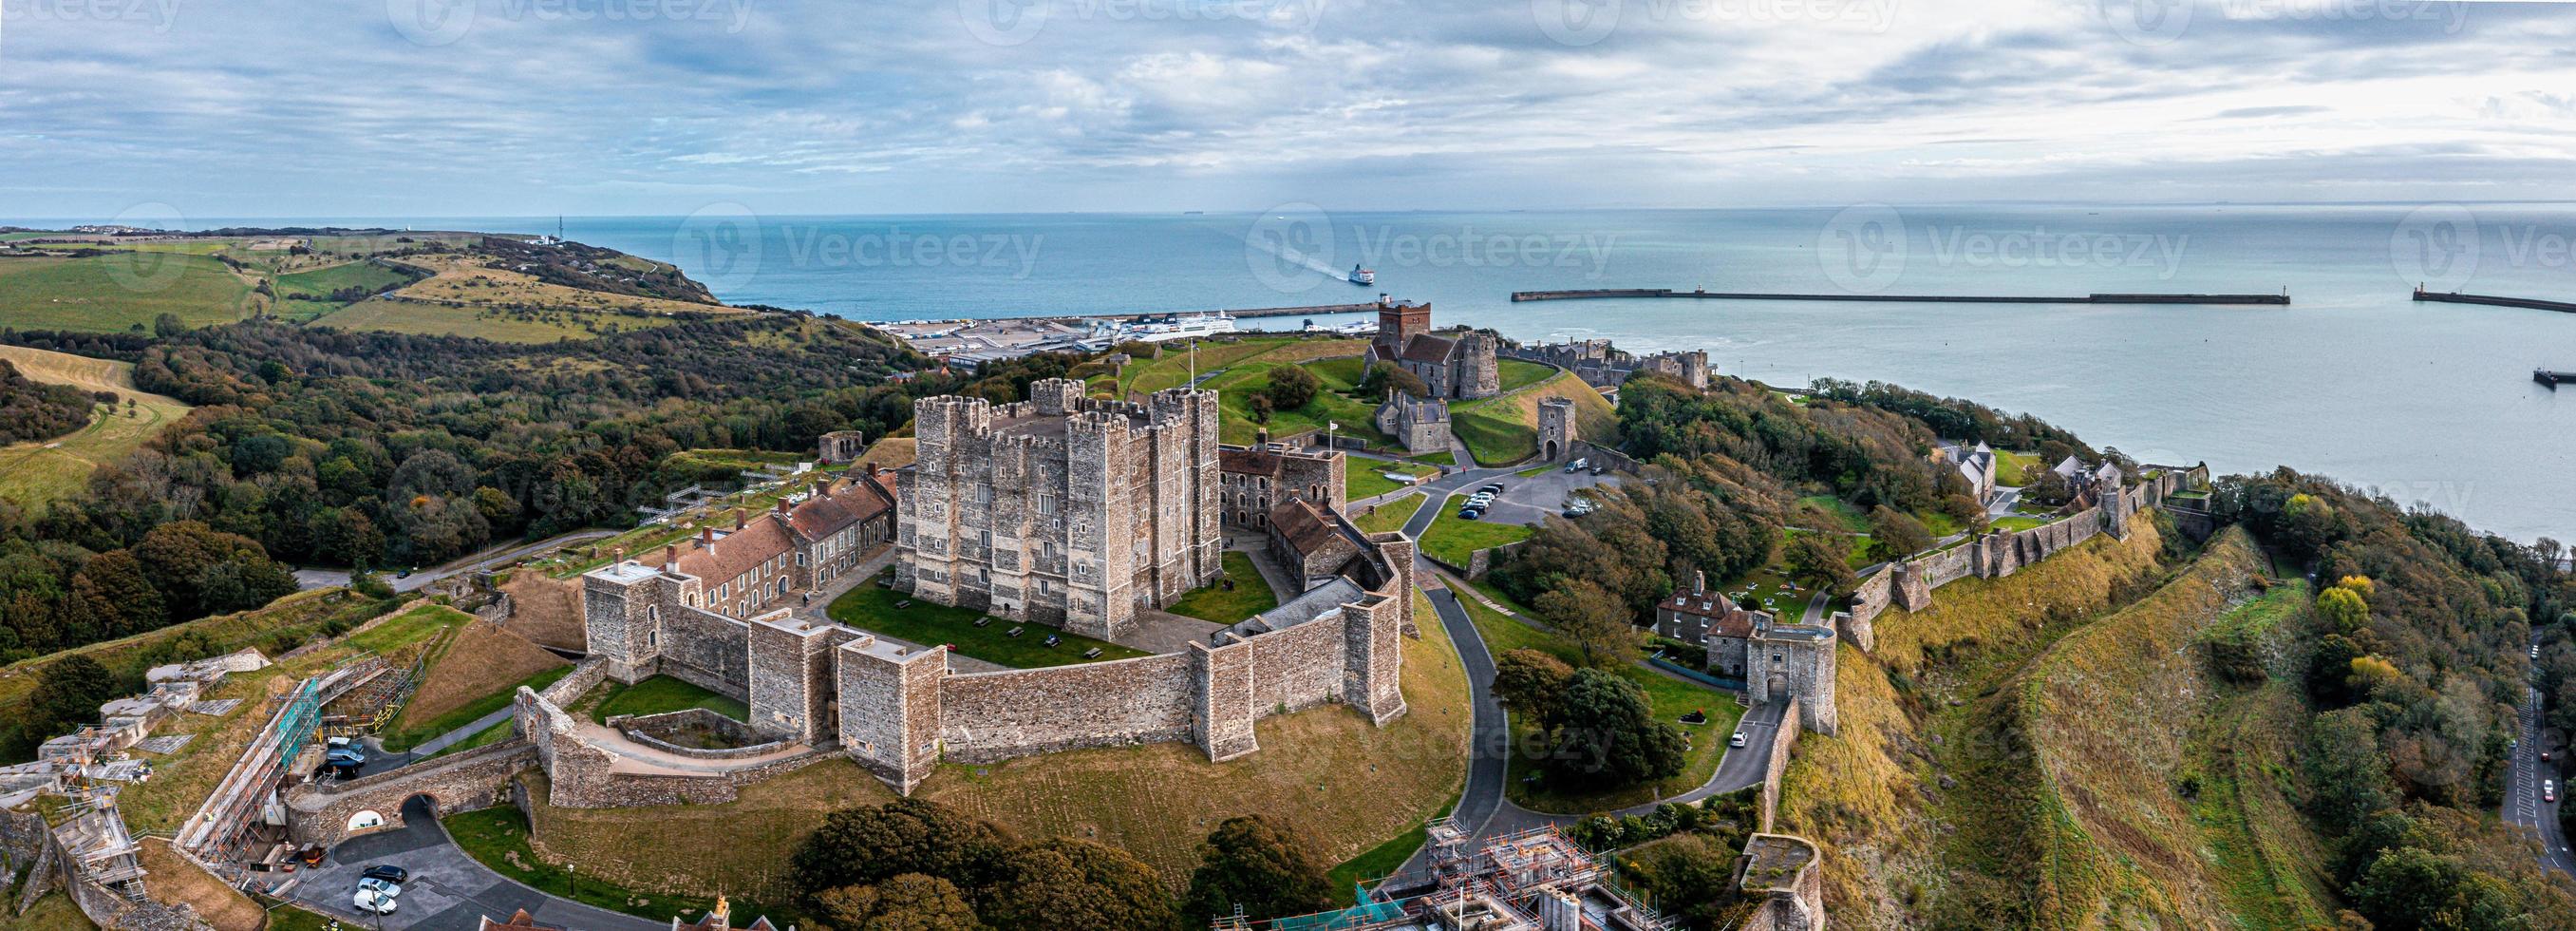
1671, 698
1251, 594
408, 734
1504, 429
119, 291
2009, 466
291, 918
1237, 385
1940, 524
37, 473
407, 628
1392, 515
659, 694
1836, 513
1454, 540
1516, 374
498, 838
873, 607
1365, 478
1173, 369
1447, 457
2013, 522
1383, 859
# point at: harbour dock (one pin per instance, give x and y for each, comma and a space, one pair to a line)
2454, 297
2552, 379
2276, 300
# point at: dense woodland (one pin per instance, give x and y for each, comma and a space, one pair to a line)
369, 450
33, 410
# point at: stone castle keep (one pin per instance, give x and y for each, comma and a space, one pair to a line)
1061, 509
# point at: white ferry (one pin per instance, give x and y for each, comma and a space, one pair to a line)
1363, 275
1156, 328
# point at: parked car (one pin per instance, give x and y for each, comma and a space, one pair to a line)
390, 890
372, 902
2548, 790
388, 872
1493, 489
1737, 740
1577, 465
1472, 514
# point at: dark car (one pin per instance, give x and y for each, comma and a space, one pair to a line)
387, 872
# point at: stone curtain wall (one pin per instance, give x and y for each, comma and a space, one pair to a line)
705, 649
1783, 738
1297, 668
994, 716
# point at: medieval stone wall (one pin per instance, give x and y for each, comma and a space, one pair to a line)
985, 717
467, 781
1297, 668
1783, 738
707, 650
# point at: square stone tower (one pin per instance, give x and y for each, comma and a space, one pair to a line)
1794, 662
1061, 509
1555, 428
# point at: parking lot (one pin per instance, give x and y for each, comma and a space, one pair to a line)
1528, 500
447, 891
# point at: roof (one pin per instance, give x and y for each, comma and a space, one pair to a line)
1247, 461
1306, 529
1726, 618
828, 513
1429, 348
736, 553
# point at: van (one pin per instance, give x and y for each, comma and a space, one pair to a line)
1577, 465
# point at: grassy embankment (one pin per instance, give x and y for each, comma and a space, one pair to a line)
1250, 595
1668, 696
1390, 516
1504, 429
480, 673
36, 474
1454, 540
1157, 801
1366, 478
873, 607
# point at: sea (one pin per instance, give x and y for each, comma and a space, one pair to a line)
2430, 404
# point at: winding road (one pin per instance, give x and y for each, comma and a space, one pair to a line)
2523, 805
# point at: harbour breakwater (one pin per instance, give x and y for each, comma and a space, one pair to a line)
2282, 299
2454, 297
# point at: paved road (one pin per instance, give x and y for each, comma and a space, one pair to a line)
2522, 803
448, 890
487, 559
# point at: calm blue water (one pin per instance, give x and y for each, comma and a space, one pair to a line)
2430, 403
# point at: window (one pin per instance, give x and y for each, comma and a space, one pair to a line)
653, 613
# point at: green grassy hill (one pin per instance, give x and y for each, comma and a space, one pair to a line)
115, 292
1504, 429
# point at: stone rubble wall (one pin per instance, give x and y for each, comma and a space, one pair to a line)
466, 781
1783, 738
1909, 585
992, 716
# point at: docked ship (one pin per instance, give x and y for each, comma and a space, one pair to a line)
1157, 328
1363, 275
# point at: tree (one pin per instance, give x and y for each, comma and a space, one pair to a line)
1814, 563
116, 595
1594, 621
1531, 680
1260, 405
909, 902
1894, 535
1258, 865
2412, 888
2343, 608
1384, 378
867, 846
1062, 884
68, 697
1603, 732
1291, 387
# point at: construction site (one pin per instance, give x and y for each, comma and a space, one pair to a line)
1535, 880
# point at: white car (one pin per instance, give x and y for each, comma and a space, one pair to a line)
382, 887
372, 902
1737, 740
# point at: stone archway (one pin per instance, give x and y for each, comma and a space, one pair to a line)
1552, 452
367, 820
1777, 686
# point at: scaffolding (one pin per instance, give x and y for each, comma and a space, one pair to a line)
256, 777
93, 835
1533, 880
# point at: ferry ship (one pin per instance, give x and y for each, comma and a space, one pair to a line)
1363, 275
1156, 328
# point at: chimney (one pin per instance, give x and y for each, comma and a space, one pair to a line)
782, 505
738, 517
706, 536
1699, 581
671, 556
617, 554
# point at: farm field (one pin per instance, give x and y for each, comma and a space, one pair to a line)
36, 474
116, 292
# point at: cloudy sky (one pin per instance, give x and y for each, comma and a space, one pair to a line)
368, 108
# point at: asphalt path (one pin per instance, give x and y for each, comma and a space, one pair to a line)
448, 890
2523, 804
